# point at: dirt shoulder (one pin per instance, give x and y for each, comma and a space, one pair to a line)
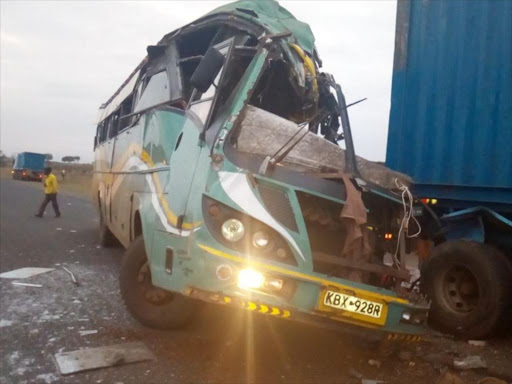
76, 182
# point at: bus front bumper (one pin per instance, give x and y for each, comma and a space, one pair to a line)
292, 295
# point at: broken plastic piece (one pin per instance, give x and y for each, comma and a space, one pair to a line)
469, 362
27, 284
23, 273
88, 332
102, 357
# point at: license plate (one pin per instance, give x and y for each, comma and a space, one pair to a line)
353, 304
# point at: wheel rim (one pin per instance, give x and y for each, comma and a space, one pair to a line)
152, 294
461, 290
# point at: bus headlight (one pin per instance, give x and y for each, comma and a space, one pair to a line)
233, 230
250, 279
260, 239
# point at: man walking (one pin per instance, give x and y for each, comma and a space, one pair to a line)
50, 193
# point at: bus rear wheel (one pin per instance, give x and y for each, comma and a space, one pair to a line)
150, 305
470, 287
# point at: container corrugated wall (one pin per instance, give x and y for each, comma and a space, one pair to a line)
450, 125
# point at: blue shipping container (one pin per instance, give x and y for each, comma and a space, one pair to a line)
450, 125
30, 161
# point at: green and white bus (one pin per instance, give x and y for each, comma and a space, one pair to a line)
217, 168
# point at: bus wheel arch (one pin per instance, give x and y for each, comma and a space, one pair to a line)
150, 305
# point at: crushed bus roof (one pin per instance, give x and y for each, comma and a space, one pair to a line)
273, 17
269, 15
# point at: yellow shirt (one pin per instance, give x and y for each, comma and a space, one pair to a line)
50, 184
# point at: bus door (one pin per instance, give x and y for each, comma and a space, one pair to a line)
185, 157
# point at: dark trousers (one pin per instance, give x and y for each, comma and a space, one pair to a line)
47, 198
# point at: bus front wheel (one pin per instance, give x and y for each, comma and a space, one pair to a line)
150, 305
470, 287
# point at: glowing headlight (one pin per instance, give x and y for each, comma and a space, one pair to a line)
250, 279
260, 239
233, 230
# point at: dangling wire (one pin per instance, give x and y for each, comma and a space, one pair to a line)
407, 204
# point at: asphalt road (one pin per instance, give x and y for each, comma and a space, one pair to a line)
220, 346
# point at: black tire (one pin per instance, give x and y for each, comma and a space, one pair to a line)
470, 287
107, 238
151, 306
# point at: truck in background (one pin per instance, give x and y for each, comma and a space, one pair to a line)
29, 166
450, 129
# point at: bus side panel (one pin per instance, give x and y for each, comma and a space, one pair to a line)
102, 179
126, 160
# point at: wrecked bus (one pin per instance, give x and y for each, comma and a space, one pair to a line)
217, 167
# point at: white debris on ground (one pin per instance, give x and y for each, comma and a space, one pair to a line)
5, 323
23, 273
88, 332
102, 357
27, 284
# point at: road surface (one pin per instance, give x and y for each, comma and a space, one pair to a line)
220, 346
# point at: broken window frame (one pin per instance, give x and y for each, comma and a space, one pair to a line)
226, 45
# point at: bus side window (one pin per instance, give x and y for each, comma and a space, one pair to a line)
114, 124
126, 109
104, 130
155, 93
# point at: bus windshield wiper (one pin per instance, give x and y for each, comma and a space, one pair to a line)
286, 148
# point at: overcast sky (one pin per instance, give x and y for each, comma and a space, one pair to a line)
61, 60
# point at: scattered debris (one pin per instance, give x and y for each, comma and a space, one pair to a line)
477, 343
5, 323
72, 276
72, 230
374, 363
27, 284
469, 362
23, 273
366, 381
71, 251
47, 317
59, 229
47, 377
102, 357
76, 301
88, 332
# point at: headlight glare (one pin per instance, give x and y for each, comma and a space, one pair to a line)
260, 239
250, 279
233, 230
